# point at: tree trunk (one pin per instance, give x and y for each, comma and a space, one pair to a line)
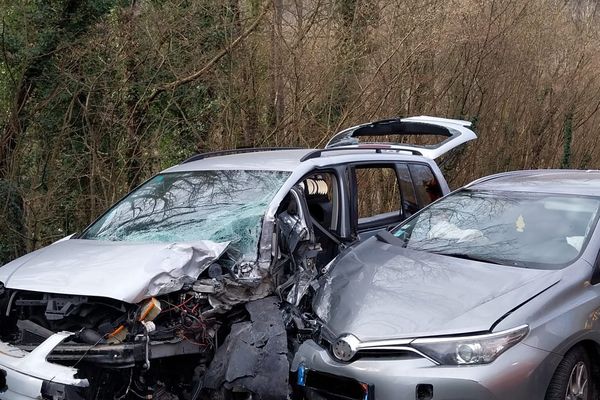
134, 117
277, 95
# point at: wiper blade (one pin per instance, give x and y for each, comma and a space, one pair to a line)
470, 258
386, 237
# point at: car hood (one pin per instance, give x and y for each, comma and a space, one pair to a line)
123, 271
380, 291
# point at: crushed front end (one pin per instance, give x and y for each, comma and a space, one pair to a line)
65, 347
97, 318
166, 346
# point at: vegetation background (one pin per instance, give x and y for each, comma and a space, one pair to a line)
97, 95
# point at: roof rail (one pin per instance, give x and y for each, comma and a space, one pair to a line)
378, 149
202, 156
456, 132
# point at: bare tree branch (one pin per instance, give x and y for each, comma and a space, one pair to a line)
213, 61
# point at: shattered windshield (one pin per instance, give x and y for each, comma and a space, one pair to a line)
190, 206
510, 228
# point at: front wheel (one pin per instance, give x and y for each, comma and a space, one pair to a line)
573, 377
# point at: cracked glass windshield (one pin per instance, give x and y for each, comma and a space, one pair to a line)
511, 228
189, 206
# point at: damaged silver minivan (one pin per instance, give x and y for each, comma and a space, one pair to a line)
189, 286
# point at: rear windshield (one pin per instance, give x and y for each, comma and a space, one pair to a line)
512, 228
191, 206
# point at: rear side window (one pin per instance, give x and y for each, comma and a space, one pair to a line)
378, 193
409, 198
426, 185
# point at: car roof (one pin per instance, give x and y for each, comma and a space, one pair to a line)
290, 159
345, 146
578, 182
280, 160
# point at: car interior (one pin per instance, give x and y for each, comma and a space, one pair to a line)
322, 197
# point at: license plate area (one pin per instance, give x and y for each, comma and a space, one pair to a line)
334, 386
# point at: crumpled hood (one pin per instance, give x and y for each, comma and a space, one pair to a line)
123, 271
381, 291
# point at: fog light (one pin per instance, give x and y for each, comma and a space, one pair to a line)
424, 392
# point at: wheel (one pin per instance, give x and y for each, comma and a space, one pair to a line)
573, 377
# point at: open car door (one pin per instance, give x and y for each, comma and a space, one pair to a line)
456, 133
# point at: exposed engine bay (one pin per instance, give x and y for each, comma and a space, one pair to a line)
161, 349
127, 340
218, 336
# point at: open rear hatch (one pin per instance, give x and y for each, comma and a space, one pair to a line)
455, 133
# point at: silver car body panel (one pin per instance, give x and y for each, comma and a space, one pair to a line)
566, 314
124, 271
379, 291
26, 372
585, 183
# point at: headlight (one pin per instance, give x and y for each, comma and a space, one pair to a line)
345, 347
481, 349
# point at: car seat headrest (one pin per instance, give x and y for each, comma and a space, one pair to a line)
316, 187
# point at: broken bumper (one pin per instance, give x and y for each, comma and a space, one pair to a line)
522, 373
33, 372
31, 376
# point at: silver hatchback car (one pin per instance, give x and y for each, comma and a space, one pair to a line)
492, 292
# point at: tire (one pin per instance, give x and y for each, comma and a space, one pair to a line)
573, 378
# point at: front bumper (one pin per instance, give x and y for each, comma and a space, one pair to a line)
522, 373
31, 371
30, 376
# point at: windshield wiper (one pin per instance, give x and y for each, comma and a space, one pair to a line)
470, 257
386, 237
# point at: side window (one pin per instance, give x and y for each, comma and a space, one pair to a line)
409, 198
378, 195
322, 196
426, 185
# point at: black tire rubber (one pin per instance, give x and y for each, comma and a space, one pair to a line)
558, 385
